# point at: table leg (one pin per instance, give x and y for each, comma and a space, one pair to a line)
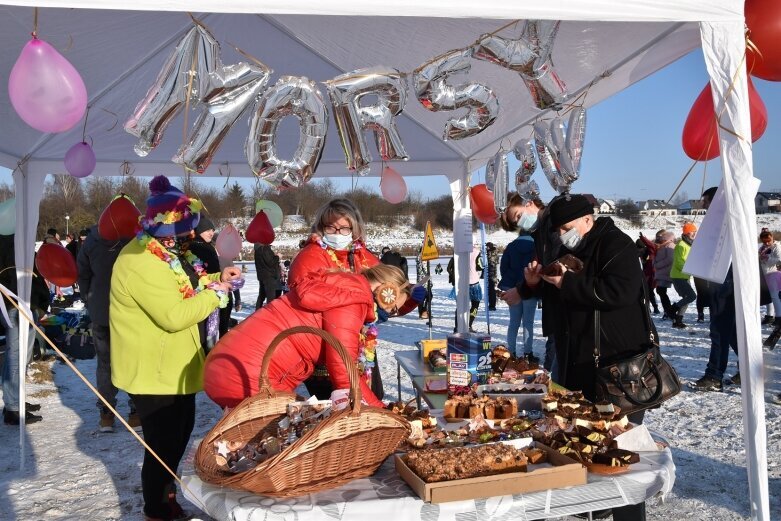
398, 378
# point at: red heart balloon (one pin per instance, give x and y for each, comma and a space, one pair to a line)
260, 230
56, 264
700, 138
119, 220
482, 202
763, 18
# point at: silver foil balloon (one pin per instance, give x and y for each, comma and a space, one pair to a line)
497, 179
290, 96
529, 56
198, 52
524, 185
434, 93
560, 153
232, 89
352, 119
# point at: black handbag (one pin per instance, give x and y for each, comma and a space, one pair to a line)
642, 381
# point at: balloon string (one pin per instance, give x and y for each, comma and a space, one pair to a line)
250, 57
116, 119
35, 23
228, 168
64, 358
84, 129
502, 28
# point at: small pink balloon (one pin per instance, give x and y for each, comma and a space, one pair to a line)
80, 160
393, 186
45, 89
228, 243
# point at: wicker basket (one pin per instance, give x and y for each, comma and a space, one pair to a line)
348, 445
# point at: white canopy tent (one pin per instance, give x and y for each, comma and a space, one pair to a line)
601, 48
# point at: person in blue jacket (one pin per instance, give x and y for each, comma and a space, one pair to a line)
518, 254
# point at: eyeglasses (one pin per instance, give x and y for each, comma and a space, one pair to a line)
344, 230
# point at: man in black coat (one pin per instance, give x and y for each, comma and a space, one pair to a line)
268, 271
611, 281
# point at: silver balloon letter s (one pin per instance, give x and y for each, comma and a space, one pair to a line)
346, 92
529, 56
231, 90
196, 53
524, 185
560, 154
434, 93
291, 96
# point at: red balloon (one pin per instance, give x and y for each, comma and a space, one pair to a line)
56, 264
260, 230
119, 220
482, 202
763, 18
700, 136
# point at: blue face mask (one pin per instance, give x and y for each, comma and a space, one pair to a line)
337, 241
527, 221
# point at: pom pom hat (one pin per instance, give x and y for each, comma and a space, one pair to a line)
168, 210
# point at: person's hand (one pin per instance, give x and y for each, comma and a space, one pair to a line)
230, 273
558, 278
222, 286
511, 297
418, 293
532, 273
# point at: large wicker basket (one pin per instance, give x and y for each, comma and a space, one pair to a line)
348, 445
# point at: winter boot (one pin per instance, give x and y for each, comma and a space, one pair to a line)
134, 420
12, 417
678, 322
106, 420
706, 383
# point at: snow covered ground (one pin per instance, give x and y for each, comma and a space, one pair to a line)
72, 471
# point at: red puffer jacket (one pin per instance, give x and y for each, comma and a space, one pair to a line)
314, 258
233, 367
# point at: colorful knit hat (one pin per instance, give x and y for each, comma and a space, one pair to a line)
168, 210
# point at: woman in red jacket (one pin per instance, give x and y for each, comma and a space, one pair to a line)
341, 303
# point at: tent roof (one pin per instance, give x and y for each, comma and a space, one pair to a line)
119, 55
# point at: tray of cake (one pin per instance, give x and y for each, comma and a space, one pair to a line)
497, 469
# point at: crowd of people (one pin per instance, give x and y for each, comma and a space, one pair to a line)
160, 308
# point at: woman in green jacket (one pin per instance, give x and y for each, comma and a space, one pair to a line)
680, 279
160, 291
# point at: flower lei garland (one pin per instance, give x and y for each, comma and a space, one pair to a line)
182, 279
367, 347
172, 216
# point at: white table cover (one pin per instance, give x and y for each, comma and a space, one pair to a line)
386, 493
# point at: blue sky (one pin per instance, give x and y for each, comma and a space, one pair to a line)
633, 142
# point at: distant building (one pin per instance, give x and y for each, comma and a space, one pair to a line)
655, 207
768, 202
691, 207
593, 200
607, 206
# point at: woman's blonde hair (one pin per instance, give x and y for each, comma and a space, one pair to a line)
385, 273
335, 209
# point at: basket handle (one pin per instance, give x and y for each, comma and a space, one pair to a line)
352, 370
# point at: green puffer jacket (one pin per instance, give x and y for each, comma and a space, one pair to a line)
155, 345
680, 254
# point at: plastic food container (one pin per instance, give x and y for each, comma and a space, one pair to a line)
527, 401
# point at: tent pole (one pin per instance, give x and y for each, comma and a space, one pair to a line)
462, 245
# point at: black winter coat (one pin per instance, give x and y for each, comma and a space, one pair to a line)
611, 281
95, 262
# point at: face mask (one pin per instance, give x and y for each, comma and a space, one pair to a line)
571, 239
337, 241
527, 221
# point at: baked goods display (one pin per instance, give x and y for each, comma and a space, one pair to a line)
301, 417
485, 406
468, 462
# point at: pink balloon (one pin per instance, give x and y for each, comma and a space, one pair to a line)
45, 89
80, 160
393, 186
228, 243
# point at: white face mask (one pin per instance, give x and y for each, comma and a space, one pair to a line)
527, 221
337, 241
571, 239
